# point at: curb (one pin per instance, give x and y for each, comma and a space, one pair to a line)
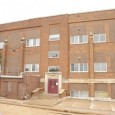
51, 108
45, 108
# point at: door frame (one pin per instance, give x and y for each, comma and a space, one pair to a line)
56, 75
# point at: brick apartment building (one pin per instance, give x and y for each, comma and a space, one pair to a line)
75, 52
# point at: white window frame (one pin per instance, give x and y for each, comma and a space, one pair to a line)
54, 51
101, 92
54, 37
78, 94
1, 45
99, 38
53, 66
72, 92
100, 65
79, 67
0, 68
31, 67
77, 38
32, 44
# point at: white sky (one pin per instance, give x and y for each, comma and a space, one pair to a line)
16, 10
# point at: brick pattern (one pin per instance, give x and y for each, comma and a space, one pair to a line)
113, 91
101, 87
79, 87
54, 29
20, 87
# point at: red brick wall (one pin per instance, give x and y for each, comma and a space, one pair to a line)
79, 87
19, 86
65, 25
32, 82
4, 87
101, 87
113, 91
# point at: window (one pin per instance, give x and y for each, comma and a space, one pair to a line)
101, 94
99, 38
100, 67
32, 68
10, 86
54, 37
80, 39
79, 67
32, 42
0, 68
79, 94
1, 45
53, 54
53, 69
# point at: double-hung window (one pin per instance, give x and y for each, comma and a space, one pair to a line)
32, 42
31, 67
79, 67
97, 38
53, 54
54, 37
78, 39
100, 67
53, 69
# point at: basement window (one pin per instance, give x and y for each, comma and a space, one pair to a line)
79, 94
101, 94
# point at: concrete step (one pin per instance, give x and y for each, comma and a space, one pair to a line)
46, 96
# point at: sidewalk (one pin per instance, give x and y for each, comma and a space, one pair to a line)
67, 105
88, 106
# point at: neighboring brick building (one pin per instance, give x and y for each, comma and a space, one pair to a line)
75, 52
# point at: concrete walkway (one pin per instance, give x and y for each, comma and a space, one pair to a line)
88, 106
43, 102
68, 105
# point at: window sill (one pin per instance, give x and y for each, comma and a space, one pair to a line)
79, 71
31, 46
78, 43
100, 42
100, 71
53, 71
53, 57
54, 40
31, 71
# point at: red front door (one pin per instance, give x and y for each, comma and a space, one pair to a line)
53, 86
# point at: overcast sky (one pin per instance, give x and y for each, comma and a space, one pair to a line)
16, 10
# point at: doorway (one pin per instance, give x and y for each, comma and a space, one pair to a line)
53, 86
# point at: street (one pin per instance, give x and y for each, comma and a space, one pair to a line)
6, 109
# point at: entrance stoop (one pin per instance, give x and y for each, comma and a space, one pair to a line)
36, 92
44, 99
46, 96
